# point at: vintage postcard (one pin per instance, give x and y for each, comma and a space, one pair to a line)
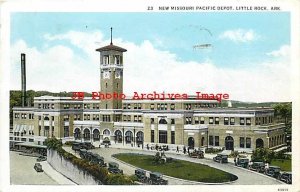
116, 95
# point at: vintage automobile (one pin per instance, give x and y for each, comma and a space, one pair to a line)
221, 158
97, 159
257, 166
286, 177
114, 168
141, 175
156, 179
242, 162
88, 145
76, 146
197, 154
41, 158
82, 153
273, 171
38, 167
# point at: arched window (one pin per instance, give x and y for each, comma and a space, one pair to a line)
106, 132
162, 121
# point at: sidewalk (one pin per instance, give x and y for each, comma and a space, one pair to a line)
55, 175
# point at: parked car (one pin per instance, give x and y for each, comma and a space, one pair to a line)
242, 162
273, 171
97, 159
41, 158
258, 166
141, 175
114, 168
197, 154
82, 153
38, 167
221, 158
88, 145
76, 146
156, 179
286, 177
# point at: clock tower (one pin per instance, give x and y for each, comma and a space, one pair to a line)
111, 74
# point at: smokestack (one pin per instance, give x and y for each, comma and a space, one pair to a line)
23, 78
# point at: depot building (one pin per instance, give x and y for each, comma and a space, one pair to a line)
185, 122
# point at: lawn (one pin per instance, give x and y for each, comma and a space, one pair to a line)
178, 168
284, 164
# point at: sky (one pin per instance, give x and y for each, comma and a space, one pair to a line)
248, 55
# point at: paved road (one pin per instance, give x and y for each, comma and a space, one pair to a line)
23, 173
245, 177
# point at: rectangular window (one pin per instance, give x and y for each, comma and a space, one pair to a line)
211, 120
196, 120
242, 121
242, 142
211, 140
217, 120
163, 137
139, 106
248, 121
172, 106
201, 120
152, 120
140, 118
172, 121
152, 136
158, 106
248, 142
66, 131
217, 141
135, 118
172, 137
226, 120
232, 121
152, 106
188, 120
66, 117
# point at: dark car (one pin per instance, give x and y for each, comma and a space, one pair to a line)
76, 146
273, 171
114, 168
257, 166
220, 158
197, 154
88, 145
242, 162
82, 153
286, 177
38, 167
97, 159
141, 175
41, 158
156, 179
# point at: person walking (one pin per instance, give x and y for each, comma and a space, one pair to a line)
184, 149
177, 149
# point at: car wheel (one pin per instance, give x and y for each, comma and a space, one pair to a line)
150, 182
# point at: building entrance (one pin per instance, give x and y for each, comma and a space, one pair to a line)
229, 143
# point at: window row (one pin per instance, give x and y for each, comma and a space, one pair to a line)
24, 116
226, 121
46, 106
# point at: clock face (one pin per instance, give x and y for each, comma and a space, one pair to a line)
105, 75
118, 74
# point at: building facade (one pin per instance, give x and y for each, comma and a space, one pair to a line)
172, 122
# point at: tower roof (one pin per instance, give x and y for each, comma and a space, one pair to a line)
111, 47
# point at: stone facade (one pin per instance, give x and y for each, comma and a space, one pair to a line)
189, 122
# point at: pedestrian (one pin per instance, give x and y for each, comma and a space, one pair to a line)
234, 161
148, 146
184, 149
177, 149
189, 150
